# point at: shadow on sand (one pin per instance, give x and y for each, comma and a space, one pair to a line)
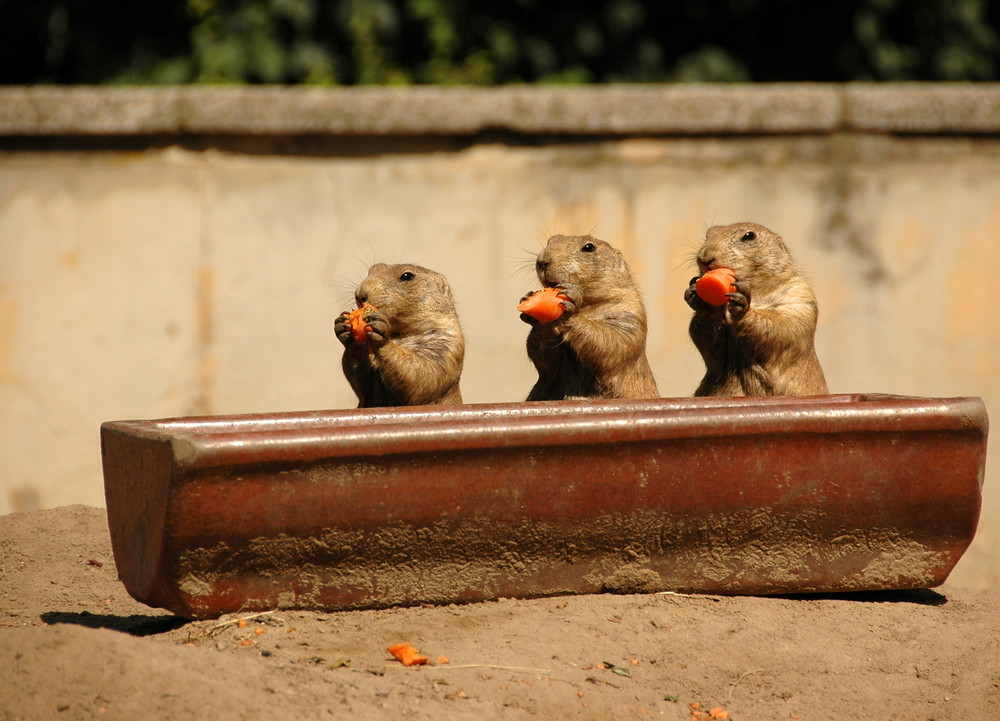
135, 625
919, 596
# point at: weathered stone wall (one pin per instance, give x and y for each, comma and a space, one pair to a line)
184, 251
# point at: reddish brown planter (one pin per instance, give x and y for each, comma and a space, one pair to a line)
360, 509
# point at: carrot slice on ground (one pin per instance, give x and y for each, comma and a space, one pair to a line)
713, 286
407, 655
357, 320
543, 305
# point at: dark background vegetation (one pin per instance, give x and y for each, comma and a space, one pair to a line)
348, 42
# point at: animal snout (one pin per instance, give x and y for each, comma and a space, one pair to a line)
541, 268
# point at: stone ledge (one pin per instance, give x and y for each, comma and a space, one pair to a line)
924, 108
614, 110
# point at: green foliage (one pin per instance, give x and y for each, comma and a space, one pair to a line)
392, 42
925, 40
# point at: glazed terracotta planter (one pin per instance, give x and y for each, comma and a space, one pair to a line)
373, 508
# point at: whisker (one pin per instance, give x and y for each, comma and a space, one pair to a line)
688, 257
365, 262
522, 265
344, 299
545, 226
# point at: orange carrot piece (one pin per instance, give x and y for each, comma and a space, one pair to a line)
357, 320
407, 655
543, 305
713, 286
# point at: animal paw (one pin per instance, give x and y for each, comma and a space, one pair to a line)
739, 301
691, 297
572, 297
377, 329
343, 328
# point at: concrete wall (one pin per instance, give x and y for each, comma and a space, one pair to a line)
185, 251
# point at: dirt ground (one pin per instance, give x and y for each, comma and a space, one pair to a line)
75, 645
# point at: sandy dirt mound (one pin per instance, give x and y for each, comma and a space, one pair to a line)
74, 645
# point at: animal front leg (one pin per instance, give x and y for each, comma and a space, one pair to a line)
691, 297
739, 302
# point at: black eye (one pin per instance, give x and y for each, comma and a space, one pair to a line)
589, 248
748, 236
408, 275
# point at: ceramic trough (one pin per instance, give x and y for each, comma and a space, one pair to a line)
374, 508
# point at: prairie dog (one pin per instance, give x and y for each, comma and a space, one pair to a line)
597, 348
761, 342
414, 346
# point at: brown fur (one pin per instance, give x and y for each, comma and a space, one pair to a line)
415, 346
761, 343
597, 349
